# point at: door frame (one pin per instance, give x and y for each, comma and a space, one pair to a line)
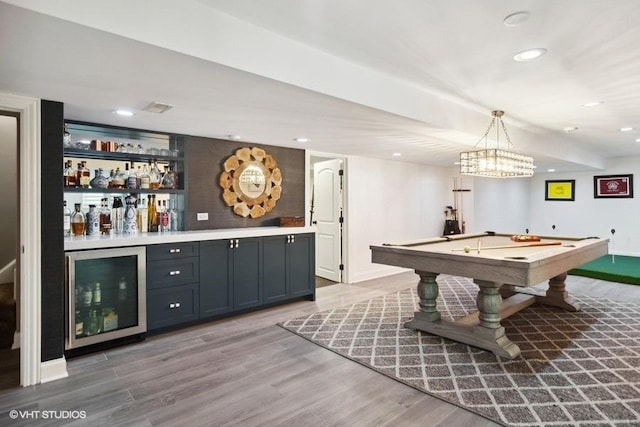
309, 194
29, 270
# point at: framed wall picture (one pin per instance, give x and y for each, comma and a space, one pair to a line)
560, 190
613, 186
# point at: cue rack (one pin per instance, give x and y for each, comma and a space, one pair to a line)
454, 222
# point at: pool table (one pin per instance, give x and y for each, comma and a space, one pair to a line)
502, 268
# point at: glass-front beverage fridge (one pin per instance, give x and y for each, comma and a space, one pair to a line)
106, 295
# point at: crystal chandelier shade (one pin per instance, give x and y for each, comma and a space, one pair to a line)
496, 162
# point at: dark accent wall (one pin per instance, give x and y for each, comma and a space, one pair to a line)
204, 163
52, 243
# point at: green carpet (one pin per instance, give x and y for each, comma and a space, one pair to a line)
621, 269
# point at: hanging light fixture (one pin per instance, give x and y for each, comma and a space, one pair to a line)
496, 162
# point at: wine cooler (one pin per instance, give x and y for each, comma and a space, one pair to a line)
106, 295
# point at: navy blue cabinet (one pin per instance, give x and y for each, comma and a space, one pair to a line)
216, 291
201, 280
288, 267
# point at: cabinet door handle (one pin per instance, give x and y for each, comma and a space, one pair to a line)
231, 244
174, 251
293, 238
174, 273
174, 305
237, 242
289, 238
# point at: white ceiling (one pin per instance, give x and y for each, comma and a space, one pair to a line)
369, 78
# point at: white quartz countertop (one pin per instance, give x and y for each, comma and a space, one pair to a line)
143, 239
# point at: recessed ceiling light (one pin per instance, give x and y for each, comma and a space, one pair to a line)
397, 154
551, 170
516, 19
301, 139
124, 113
529, 54
235, 137
637, 139
626, 129
593, 104
570, 129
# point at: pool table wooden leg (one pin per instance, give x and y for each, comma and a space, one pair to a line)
557, 295
428, 293
486, 332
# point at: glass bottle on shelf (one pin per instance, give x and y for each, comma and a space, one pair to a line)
66, 137
87, 296
173, 216
117, 215
66, 223
143, 218
169, 179
93, 221
69, 175
163, 216
83, 175
79, 324
99, 180
105, 217
77, 221
145, 179
93, 327
132, 179
152, 214
154, 177
130, 216
119, 180
97, 295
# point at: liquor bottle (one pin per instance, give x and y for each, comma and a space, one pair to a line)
143, 218
79, 324
122, 290
118, 180
93, 327
105, 217
163, 216
93, 221
132, 178
83, 175
97, 296
77, 221
66, 223
130, 215
169, 179
117, 215
152, 214
154, 177
87, 296
99, 180
69, 175
144, 178
123, 305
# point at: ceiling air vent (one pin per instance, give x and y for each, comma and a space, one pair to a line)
158, 107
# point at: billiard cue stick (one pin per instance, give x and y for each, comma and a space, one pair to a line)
526, 245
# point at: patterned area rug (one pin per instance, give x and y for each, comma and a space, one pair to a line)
576, 369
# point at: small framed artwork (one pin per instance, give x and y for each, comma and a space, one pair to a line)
613, 186
560, 190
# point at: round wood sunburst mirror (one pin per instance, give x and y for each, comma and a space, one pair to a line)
251, 182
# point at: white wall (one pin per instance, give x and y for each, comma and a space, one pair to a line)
500, 205
391, 201
588, 216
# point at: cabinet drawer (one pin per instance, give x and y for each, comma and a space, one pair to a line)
161, 274
172, 251
171, 306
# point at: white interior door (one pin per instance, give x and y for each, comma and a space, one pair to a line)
327, 212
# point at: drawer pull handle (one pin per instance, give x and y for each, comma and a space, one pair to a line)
174, 251
231, 244
174, 273
237, 241
174, 305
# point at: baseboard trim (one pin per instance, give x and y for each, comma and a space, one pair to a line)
53, 370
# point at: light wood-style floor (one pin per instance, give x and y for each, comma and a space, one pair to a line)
247, 371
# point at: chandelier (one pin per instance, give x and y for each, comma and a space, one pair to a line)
496, 162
